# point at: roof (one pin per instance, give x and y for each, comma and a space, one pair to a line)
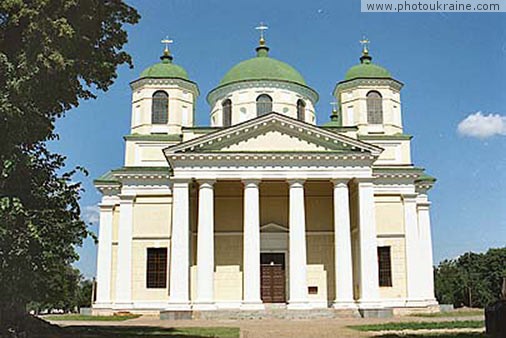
366, 69
262, 67
165, 69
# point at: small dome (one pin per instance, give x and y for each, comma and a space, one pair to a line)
165, 69
262, 67
366, 69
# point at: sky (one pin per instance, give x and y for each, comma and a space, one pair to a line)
453, 102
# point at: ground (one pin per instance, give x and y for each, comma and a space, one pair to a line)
146, 326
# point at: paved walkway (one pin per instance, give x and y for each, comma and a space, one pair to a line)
278, 328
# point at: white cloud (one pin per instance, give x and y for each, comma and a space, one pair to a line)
482, 126
90, 214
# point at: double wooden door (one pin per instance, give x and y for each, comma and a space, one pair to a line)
273, 277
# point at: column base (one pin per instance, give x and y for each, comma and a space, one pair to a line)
102, 305
178, 306
252, 305
298, 305
369, 304
123, 305
421, 302
344, 305
204, 306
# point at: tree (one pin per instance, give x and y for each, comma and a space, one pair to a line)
53, 53
472, 280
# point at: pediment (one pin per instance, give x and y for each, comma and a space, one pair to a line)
273, 133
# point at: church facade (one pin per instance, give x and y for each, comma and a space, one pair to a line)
265, 206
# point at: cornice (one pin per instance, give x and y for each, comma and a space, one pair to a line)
224, 90
367, 82
185, 84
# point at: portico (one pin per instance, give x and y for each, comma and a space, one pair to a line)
254, 173
297, 279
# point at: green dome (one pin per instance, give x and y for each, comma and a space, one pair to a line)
262, 67
366, 69
165, 69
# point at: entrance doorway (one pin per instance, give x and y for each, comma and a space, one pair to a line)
273, 277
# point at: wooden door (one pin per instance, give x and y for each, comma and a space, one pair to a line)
273, 277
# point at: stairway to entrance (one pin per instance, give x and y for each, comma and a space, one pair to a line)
277, 311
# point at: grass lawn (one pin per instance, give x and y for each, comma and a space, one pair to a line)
89, 318
144, 331
440, 335
467, 324
469, 313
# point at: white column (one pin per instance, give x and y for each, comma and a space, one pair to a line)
297, 246
124, 267
413, 264
205, 247
424, 227
369, 279
180, 252
251, 246
342, 247
104, 256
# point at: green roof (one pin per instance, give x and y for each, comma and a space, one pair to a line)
366, 69
165, 69
262, 67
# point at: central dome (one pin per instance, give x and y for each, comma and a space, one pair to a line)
262, 67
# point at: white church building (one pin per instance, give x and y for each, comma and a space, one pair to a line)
265, 207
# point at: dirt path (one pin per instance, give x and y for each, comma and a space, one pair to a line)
278, 328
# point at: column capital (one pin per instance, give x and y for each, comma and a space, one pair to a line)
409, 198
296, 182
127, 198
251, 181
364, 180
179, 182
106, 207
340, 182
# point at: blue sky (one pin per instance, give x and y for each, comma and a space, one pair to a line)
452, 64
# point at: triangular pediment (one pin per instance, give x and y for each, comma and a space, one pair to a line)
273, 133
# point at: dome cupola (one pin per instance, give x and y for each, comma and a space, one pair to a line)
366, 69
258, 86
262, 67
165, 69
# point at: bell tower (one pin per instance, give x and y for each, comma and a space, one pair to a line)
370, 97
163, 102
163, 98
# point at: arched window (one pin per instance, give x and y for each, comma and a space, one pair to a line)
374, 108
160, 108
301, 110
227, 112
264, 104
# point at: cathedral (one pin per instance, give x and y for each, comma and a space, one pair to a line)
265, 207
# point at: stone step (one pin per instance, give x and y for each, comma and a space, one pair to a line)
268, 313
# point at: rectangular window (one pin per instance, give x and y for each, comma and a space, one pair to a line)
384, 266
156, 271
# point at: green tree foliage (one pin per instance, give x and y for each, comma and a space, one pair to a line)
73, 293
472, 280
53, 53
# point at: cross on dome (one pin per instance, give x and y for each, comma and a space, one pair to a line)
262, 28
166, 52
167, 42
365, 45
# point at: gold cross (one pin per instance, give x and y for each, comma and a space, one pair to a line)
167, 41
365, 44
262, 28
